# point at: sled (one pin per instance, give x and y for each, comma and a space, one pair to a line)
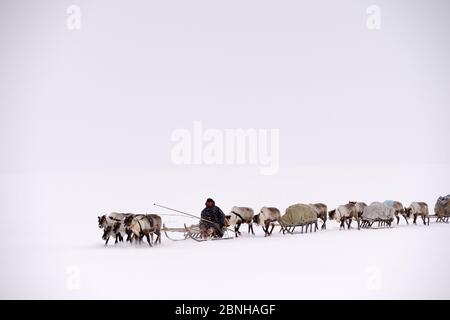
191, 232
376, 223
289, 228
443, 218
299, 215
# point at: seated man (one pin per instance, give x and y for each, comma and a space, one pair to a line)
213, 220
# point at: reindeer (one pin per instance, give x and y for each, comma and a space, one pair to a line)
418, 209
267, 216
399, 209
237, 216
157, 223
113, 226
140, 225
321, 210
344, 214
359, 207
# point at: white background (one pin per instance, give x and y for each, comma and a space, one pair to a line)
86, 118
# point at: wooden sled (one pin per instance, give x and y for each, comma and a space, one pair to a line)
289, 228
192, 232
445, 218
376, 223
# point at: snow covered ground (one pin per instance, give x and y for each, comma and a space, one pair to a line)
88, 118
51, 246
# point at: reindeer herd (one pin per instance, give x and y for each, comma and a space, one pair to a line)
134, 226
380, 214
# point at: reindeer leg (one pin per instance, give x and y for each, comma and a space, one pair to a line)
148, 239
398, 219
404, 216
273, 226
106, 243
238, 227
266, 230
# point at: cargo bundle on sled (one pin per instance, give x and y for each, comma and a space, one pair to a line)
299, 215
378, 213
442, 209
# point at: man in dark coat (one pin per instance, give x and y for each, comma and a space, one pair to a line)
212, 217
